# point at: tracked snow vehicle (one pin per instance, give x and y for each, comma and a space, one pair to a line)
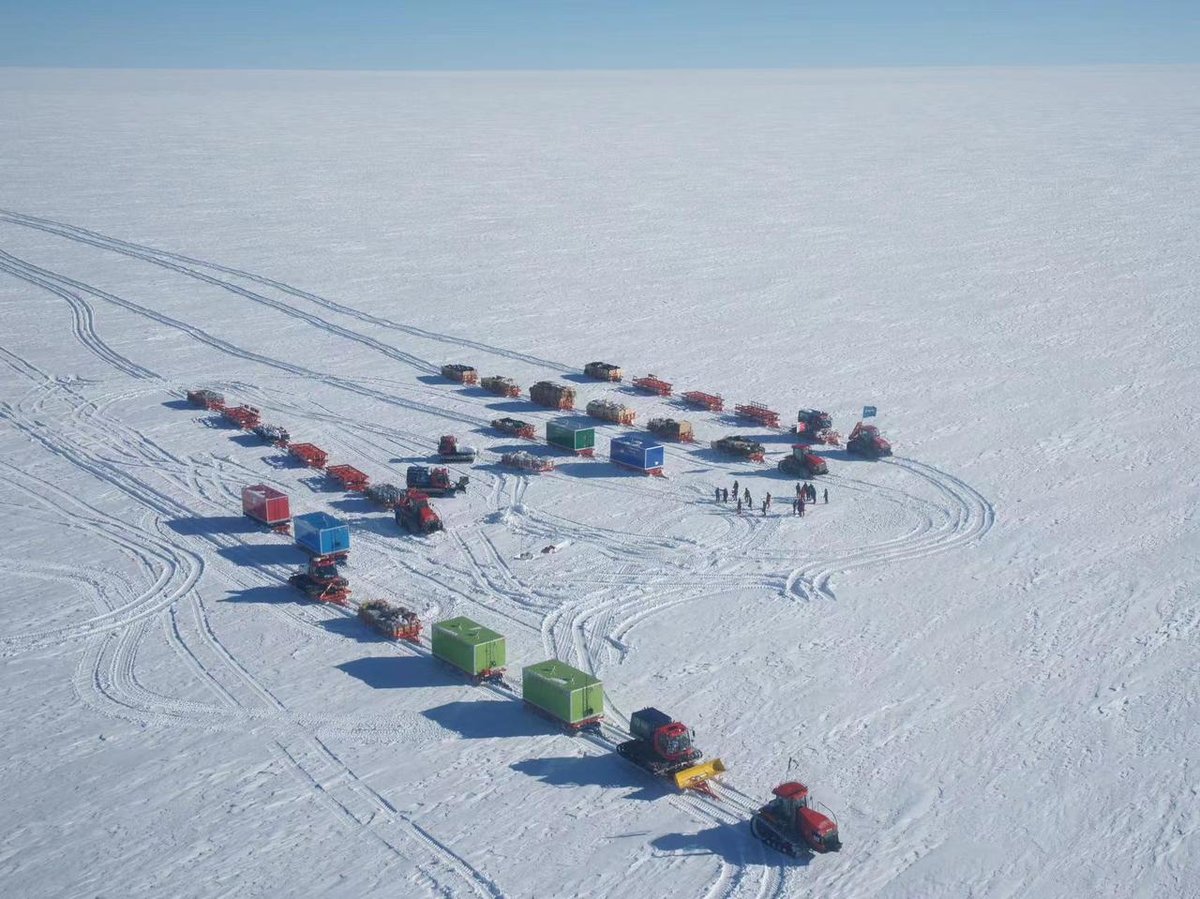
790, 824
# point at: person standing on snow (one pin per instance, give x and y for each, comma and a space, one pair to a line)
796, 505
798, 488
739, 505
724, 494
747, 497
827, 496
735, 493
801, 508
717, 494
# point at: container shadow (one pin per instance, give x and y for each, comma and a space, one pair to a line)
597, 469
204, 525
608, 771
581, 378
435, 379
510, 406
479, 720
392, 672
725, 841
179, 404
259, 554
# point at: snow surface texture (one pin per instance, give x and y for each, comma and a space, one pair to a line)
982, 654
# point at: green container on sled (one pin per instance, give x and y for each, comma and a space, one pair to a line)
572, 434
468, 645
563, 692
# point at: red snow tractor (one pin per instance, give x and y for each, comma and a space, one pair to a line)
322, 582
803, 463
817, 427
450, 451
434, 481
865, 440
415, 515
664, 747
790, 824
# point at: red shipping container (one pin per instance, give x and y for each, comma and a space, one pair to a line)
266, 504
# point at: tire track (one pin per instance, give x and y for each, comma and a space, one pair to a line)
183, 264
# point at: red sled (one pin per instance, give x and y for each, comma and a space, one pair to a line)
651, 384
710, 401
310, 454
245, 417
759, 413
349, 476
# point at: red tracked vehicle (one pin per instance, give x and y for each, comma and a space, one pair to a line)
434, 481
865, 440
790, 824
816, 427
803, 462
415, 515
450, 450
322, 582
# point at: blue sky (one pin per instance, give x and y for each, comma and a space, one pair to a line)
573, 34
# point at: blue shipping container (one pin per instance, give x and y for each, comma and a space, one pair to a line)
321, 533
637, 452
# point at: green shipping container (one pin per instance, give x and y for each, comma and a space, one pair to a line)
570, 435
468, 645
566, 693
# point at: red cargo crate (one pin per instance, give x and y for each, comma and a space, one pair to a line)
651, 384
266, 505
350, 477
311, 455
710, 401
758, 412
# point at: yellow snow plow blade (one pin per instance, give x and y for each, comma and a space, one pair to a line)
693, 778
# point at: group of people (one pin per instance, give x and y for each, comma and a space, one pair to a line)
806, 493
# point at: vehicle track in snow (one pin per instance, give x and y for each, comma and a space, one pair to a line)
187, 265
112, 678
27, 271
83, 327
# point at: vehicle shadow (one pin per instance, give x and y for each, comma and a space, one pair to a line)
608, 771
180, 404
479, 720
726, 841
600, 468
265, 596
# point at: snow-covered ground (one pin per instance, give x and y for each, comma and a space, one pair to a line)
982, 654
